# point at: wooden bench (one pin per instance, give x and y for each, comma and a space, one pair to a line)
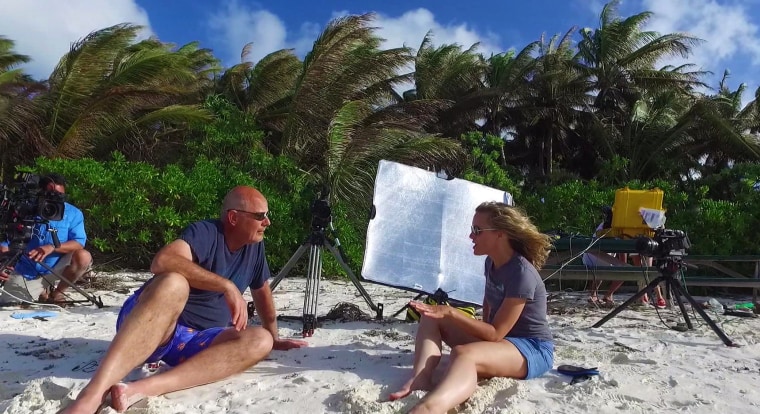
638, 274
568, 251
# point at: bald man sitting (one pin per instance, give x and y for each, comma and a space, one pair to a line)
192, 314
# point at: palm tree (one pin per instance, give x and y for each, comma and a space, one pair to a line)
504, 88
16, 110
619, 59
724, 132
343, 117
264, 90
556, 96
452, 74
109, 92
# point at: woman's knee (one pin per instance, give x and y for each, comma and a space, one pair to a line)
462, 351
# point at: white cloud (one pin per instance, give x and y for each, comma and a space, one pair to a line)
44, 30
728, 30
236, 25
410, 28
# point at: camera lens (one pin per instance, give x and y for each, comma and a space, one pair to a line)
49, 211
646, 246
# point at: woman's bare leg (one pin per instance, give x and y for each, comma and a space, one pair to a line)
478, 359
427, 353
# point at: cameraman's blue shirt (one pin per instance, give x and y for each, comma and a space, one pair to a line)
246, 267
70, 228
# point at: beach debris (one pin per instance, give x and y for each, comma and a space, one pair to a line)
347, 312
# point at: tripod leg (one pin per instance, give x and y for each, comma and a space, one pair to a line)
694, 305
311, 296
674, 291
377, 308
288, 266
627, 303
406, 306
95, 300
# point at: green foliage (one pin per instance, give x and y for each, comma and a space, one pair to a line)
484, 168
573, 207
715, 227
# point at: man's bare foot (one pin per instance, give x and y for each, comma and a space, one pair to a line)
123, 397
417, 383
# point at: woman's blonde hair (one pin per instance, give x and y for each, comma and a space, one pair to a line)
523, 235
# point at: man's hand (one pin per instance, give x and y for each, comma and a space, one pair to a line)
286, 344
238, 306
38, 254
5, 274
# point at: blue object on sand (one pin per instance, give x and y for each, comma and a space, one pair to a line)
574, 371
33, 314
579, 374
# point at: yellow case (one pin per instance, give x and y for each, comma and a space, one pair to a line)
626, 219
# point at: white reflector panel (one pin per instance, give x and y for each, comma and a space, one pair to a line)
419, 237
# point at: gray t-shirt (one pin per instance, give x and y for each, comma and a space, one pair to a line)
518, 278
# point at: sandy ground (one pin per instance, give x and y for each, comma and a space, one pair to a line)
351, 367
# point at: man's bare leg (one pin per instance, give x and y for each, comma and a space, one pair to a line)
151, 323
80, 262
230, 353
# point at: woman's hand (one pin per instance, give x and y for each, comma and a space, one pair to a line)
431, 311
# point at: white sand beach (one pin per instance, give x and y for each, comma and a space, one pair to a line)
351, 367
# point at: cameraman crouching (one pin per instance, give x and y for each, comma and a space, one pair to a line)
70, 260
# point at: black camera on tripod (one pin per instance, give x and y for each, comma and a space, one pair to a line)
321, 214
665, 243
23, 205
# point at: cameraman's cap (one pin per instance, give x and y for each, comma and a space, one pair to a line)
54, 178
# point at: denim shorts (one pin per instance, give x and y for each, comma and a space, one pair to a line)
537, 352
185, 342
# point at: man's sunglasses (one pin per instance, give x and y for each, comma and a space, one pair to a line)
477, 230
260, 215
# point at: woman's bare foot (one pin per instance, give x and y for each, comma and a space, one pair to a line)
123, 397
420, 382
84, 404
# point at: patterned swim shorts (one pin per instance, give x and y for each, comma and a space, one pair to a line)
185, 342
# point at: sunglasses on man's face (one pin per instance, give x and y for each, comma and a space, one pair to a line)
477, 230
258, 215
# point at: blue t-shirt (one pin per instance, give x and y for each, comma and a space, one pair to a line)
70, 228
246, 267
518, 278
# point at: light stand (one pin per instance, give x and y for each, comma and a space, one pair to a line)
315, 242
668, 267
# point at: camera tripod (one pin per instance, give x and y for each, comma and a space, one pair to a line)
668, 267
315, 243
11, 258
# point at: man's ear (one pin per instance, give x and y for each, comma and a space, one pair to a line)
231, 217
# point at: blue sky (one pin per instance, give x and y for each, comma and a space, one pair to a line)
730, 28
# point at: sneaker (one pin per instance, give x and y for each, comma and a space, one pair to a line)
661, 304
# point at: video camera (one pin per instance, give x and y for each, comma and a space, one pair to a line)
665, 243
23, 205
321, 214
